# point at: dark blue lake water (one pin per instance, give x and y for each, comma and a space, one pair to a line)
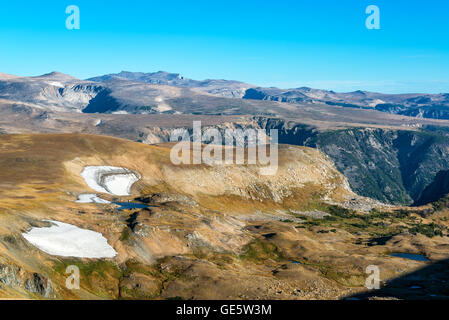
130, 205
416, 257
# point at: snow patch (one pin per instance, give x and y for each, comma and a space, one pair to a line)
162, 105
374, 102
66, 240
120, 112
113, 180
91, 198
56, 84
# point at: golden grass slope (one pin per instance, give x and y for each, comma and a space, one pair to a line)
40, 179
46, 168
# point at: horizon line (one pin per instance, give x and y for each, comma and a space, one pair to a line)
254, 85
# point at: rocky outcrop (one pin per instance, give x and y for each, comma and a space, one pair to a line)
163, 198
16, 277
38, 284
429, 110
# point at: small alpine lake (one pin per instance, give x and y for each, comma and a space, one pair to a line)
410, 256
130, 205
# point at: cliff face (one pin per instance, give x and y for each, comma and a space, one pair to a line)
389, 165
393, 166
436, 190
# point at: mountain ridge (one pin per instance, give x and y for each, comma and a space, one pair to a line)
139, 92
420, 105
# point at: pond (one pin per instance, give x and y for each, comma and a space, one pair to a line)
411, 256
130, 205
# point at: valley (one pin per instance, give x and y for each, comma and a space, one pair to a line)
86, 164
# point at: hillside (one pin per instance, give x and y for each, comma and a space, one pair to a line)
299, 234
43, 182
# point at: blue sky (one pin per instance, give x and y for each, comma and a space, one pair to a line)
284, 43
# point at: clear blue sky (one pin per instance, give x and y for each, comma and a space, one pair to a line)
284, 43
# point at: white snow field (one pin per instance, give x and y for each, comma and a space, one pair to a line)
66, 240
91, 198
113, 180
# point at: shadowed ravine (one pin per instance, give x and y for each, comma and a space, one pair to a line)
427, 283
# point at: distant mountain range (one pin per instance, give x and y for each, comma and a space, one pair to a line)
434, 106
163, 92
